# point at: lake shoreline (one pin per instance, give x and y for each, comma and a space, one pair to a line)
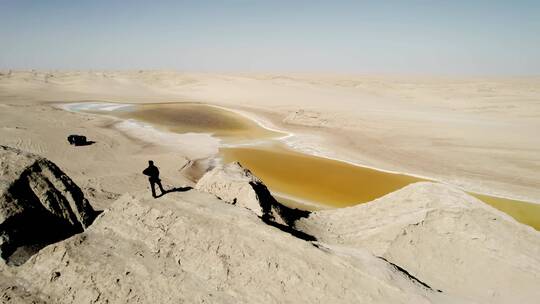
524, 211
267, 125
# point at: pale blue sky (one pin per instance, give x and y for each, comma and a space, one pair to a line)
440, 37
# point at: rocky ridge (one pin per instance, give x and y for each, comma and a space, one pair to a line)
39, 204
237, 186
442, 235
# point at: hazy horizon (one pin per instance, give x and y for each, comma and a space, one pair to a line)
359, 37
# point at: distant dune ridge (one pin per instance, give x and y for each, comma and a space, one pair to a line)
425, 243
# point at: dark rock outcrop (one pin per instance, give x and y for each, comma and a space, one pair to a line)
39, 205
236, 185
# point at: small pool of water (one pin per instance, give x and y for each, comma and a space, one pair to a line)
313, 179
297, 179
229, 126
523, 212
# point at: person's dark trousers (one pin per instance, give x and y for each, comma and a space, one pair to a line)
153, 183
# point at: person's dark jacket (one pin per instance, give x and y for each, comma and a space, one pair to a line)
152, 172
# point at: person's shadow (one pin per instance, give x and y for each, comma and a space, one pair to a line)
177, 189
86, 143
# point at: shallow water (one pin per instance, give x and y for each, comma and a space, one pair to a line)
523, 212
308, 181
297, 179
316, 179
192, 117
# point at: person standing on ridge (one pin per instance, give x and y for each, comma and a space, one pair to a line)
153, 177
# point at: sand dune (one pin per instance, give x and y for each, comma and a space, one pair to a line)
444, 236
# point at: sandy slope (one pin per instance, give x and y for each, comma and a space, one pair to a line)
478, 133
193, 248
444, 236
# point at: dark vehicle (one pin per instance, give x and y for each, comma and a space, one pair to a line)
78, 140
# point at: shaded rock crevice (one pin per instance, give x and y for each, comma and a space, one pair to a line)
408, 275
274, 211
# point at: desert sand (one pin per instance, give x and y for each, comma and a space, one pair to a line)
476, 134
